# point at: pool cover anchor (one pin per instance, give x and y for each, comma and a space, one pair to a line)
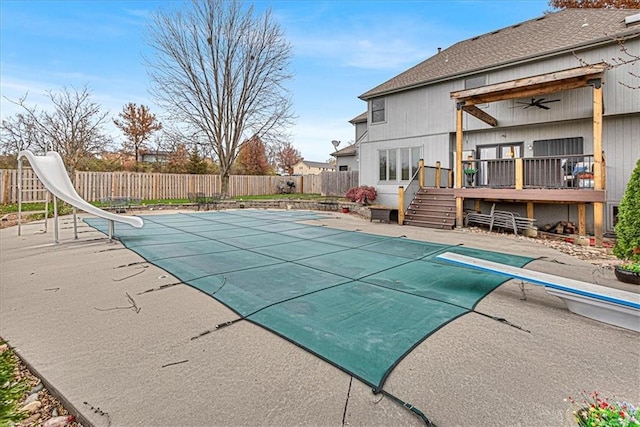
406, 405
502, 320
218, 326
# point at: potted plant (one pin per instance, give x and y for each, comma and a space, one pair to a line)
470, 174
627, 246
363, 194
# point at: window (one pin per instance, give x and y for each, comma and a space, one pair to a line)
558, 147
393, 165
398, 164
405, 160
377, 110
383, 165
343, 168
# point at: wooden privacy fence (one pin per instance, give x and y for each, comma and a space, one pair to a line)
94, 186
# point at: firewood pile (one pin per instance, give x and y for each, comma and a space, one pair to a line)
562, 227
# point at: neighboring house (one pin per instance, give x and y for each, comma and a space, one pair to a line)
346, 158
306, 167
549, 127
155, 156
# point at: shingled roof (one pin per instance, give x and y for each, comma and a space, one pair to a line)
553, 33
349, 150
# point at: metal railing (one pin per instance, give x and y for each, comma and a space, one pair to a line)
552, 172
411, 189
559, 172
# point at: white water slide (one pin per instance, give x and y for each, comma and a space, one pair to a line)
53, 175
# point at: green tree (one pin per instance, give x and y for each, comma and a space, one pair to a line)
196, 164
220, 69
627, 245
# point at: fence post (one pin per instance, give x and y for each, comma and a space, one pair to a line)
5, 187
401, 205
421, 173
438, 173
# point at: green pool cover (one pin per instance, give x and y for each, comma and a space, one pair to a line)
359, 301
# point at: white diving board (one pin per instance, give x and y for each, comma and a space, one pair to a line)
608, 305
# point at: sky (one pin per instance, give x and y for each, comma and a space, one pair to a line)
341, 49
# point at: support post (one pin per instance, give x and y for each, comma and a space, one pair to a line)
518, 173
530, 213
75, 223
401, 205
598, 184
582, 219
438, 174
111, 226
20, 197
55, 219
421, 173
459, 173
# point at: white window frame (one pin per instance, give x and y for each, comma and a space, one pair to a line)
415, 151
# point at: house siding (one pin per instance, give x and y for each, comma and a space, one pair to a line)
350, 162
425, 117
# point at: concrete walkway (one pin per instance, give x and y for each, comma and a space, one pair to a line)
74, 312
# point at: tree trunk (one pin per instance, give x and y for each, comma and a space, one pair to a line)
224, 179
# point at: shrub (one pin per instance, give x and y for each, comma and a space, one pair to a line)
363, 194
627, 245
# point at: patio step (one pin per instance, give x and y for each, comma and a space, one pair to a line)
432, 208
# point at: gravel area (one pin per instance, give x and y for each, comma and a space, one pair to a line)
38, 402
599, 256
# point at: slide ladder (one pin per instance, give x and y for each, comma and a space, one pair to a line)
30, 190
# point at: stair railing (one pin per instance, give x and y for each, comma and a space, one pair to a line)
406, 195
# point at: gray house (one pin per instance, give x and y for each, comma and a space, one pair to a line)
346, 158
541, 118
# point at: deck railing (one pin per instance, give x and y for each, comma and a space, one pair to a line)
552, 172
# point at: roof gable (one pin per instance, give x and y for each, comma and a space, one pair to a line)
552, 33
318, 165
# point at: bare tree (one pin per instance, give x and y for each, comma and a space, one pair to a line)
627, 58
220, 69
74, 128
138, 124
19, 132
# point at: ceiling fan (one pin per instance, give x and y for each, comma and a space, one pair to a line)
537, 103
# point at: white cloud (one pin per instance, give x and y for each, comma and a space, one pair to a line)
313, 140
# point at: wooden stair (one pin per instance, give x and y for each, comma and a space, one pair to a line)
432, 208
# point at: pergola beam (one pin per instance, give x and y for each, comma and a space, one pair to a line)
481, 115
574, 78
